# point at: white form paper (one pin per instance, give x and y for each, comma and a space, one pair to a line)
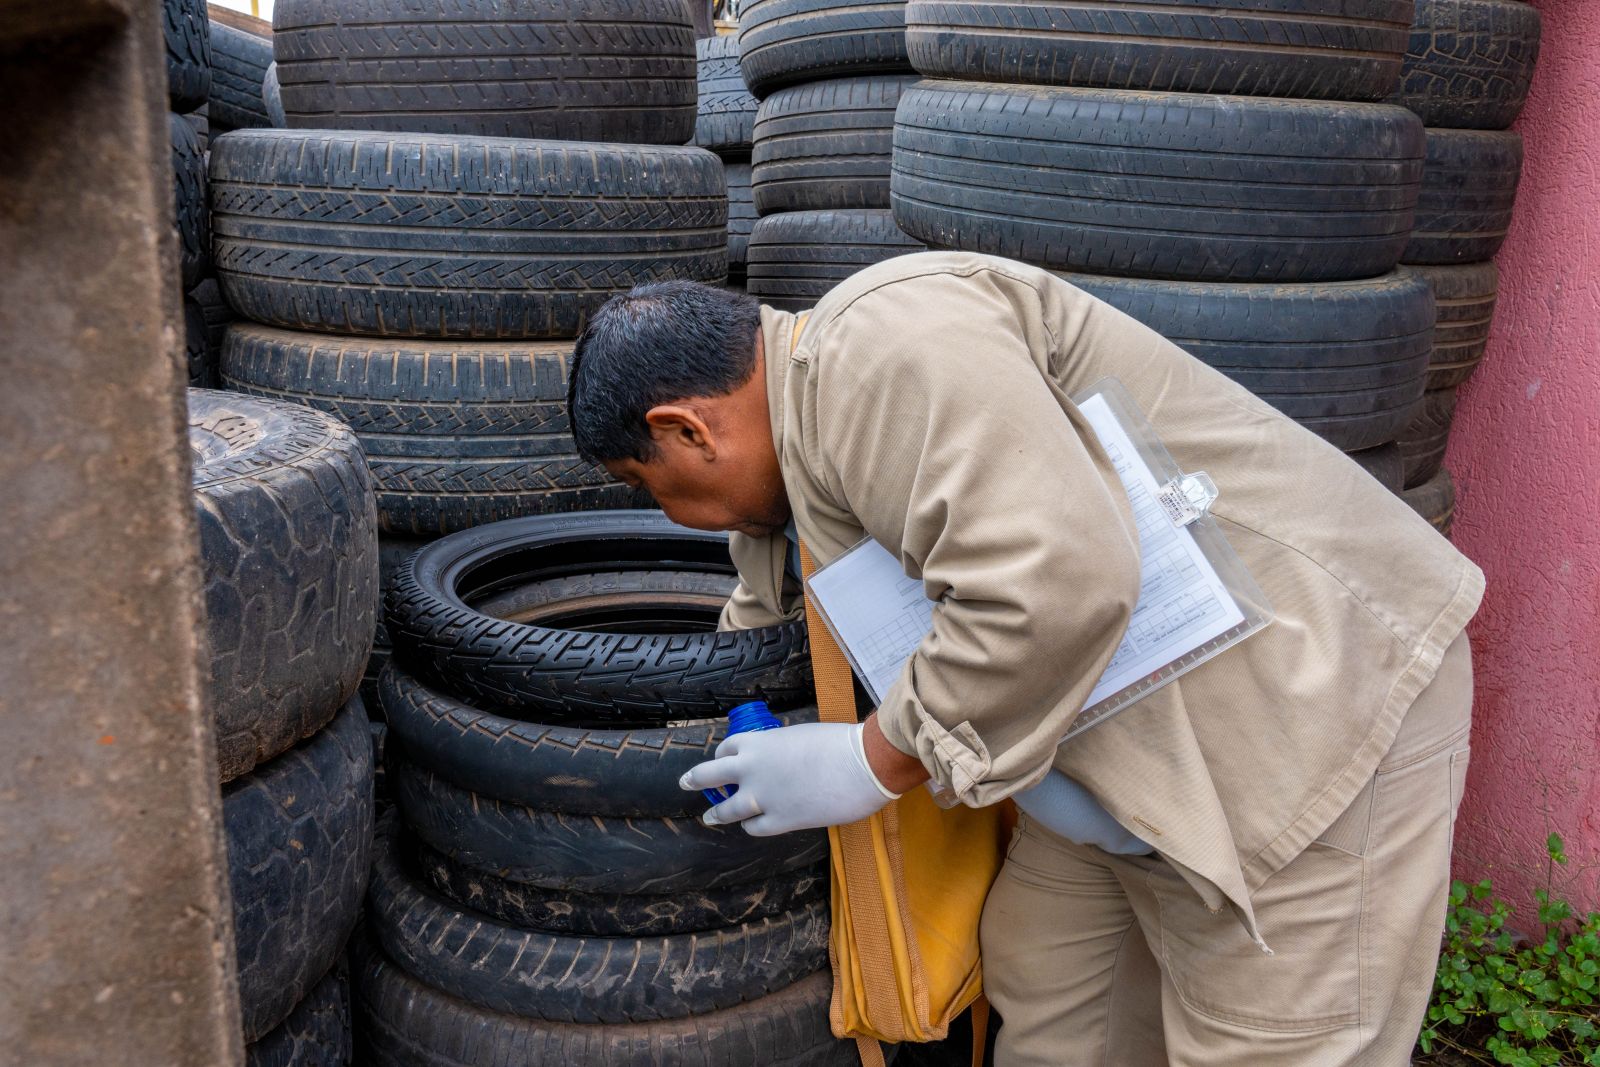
879, 615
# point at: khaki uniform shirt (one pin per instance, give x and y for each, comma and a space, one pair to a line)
926, 404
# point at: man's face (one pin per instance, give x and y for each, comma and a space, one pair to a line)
714, 466
709, 495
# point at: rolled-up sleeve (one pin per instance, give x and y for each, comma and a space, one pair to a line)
942, 435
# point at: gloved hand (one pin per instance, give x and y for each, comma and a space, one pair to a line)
791, 778
1066, 808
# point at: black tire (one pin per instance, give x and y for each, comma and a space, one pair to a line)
542, 975
785, 42
1435, 500
202, 128
272, 97
588, 853
202, 371
299, 834
215, 314
402, 1022
1469, 188
1319, 49
1385, 463
1149, 184
435, 235
618, 773
457, 434
741, 220
826, 145
289, 551
1423, 443
187, 32
316, 1033
677, 671
392, 551
1469, 62
1347, 360
1463, 299
604, 70
726, 118
616, 914
796, 257
238, 75
189, 199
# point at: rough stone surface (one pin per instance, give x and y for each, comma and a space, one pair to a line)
115, 937
1526, 457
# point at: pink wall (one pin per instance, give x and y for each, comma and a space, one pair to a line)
1525, 453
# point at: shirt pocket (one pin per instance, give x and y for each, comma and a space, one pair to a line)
1309, 914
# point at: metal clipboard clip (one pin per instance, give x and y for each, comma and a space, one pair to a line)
1153, 481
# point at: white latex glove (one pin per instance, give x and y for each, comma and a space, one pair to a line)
1066, 808
791, 778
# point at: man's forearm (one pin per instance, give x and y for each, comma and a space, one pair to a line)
897, 771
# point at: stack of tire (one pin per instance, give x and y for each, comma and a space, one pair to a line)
725, 124
189, 77
460, 187
214, 83
1467, 74
241, 56
1227, 175
288, 544
544, 891
829, 74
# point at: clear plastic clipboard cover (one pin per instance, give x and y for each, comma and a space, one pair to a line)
1196, 599
1166, 483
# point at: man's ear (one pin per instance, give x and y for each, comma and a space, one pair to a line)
678, 426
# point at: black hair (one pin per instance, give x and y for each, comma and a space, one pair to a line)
653, 345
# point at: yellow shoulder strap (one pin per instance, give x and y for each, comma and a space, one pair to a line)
866, 913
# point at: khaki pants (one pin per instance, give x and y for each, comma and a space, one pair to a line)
1114, 961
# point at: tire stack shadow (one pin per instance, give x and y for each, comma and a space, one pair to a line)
543, 890
829, 75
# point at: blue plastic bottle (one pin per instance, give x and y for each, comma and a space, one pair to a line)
744, 719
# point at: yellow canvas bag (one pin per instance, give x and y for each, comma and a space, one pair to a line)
908, 890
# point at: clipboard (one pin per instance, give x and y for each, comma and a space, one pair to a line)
1196, 599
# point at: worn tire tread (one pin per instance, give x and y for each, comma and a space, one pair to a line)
1469, 62
1162, 185
442, 235
299, 834
1469, 187
1317, 49
288, 549
826, 145
402, 1022
618, 71
1347, 360
797, 256
583, 979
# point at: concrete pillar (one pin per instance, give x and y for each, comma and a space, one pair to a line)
115, 923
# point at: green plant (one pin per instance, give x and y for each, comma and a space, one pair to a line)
1501, 998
